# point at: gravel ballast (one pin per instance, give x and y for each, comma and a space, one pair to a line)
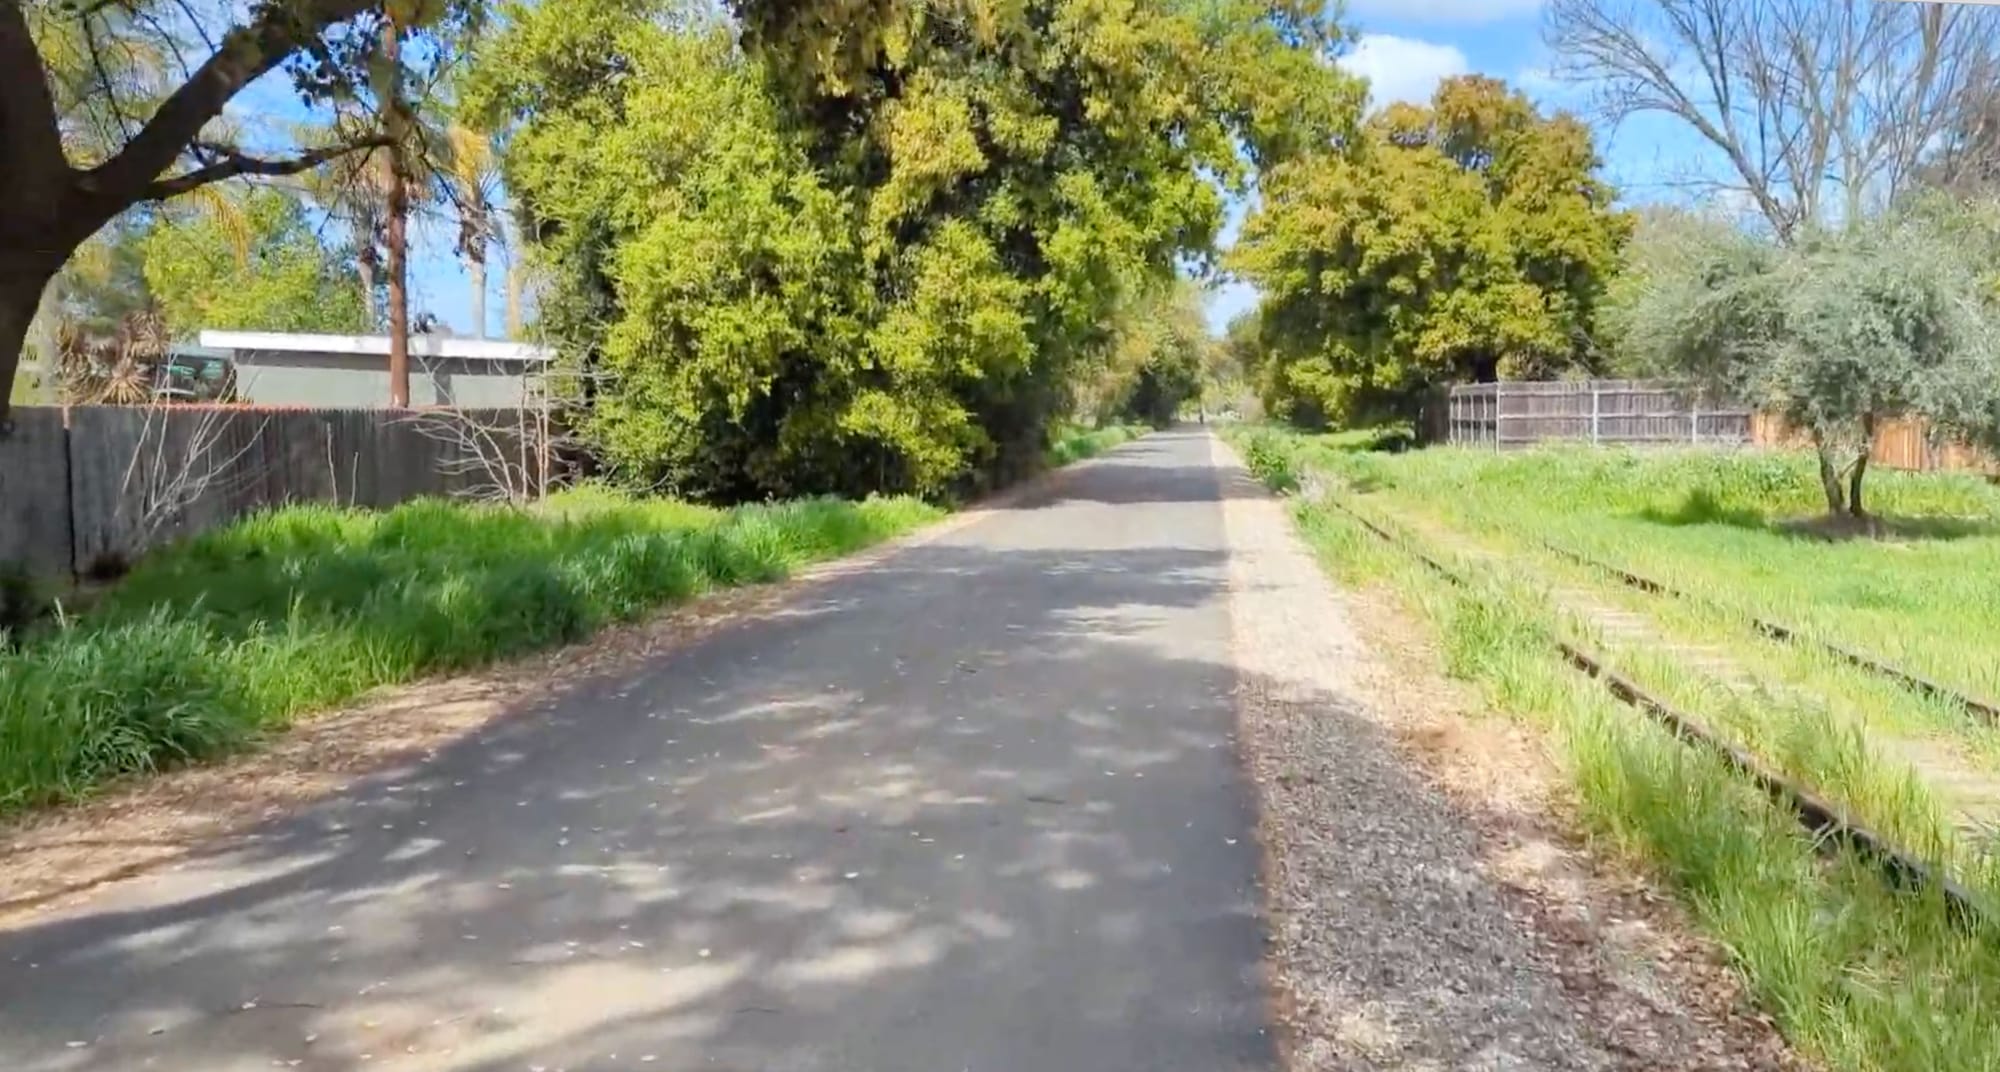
1401, 940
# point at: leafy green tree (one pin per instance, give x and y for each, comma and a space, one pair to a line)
106, 281
282, 279
1834, 332
1159, 359
877, 245
1668, 241
700, 267
1464, 241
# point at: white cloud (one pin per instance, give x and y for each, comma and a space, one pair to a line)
1457, 11
1402, 68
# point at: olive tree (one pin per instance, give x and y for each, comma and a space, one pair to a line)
1834, 332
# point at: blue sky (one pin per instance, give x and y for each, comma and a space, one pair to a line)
266, 117
1406, 47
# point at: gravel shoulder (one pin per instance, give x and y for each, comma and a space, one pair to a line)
1427, 905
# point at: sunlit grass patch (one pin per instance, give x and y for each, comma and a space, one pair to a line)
237, 631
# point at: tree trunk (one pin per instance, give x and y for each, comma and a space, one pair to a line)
475, 265
399, 292
1829, 477
514, 294
365, 266
45, 336
1854, 507
22, 283
399, 222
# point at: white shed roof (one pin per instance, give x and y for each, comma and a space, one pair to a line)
421, 345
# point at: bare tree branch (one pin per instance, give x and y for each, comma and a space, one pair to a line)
104, 84
509, 455
246, 53
232, 163
178, 463
1802, 98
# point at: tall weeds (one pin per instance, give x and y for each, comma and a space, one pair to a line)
1861, 975
238, 631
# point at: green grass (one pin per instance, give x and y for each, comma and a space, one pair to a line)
1919, 769
1733, 527
1721, 526
1857, 974
1075, 442
232, 634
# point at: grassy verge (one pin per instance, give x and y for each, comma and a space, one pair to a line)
1908, 765
1736, 528
1860, 975
1074, 443
1921, 769
234, 633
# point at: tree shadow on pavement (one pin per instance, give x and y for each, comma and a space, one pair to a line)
978, 804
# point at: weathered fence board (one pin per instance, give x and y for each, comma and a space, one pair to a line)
1900, 443
35, 493
114, 481
1504, 416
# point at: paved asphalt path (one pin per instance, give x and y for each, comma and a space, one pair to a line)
976, 807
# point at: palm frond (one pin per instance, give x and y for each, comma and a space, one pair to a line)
225, 211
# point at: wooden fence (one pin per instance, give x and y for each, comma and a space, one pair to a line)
1900, 443
1506, 416
85, 487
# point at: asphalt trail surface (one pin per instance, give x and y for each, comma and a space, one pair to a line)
977, 807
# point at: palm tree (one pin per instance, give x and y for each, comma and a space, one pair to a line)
353, 191
470, 176
398, 120
373, 192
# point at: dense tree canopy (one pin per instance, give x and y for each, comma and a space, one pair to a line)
1462, 241
274, 274
876, 245
1160, 359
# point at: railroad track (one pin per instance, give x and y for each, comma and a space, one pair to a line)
1832, 828
1917, 683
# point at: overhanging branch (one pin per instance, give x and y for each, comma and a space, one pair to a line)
233, 163
244, 54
